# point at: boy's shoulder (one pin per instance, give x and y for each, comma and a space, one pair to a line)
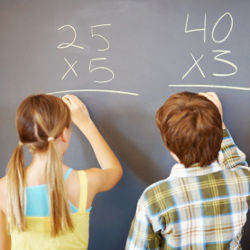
157, 197
245, 170
242, 171
161, 195
157, 187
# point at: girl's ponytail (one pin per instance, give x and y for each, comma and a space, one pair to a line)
15, 188
59, 208
40, 120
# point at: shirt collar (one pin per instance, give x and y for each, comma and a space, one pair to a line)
179, 170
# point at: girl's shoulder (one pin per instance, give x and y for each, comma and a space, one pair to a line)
3, 193
73, 187
73, 179
72, 183
73, 176
3, 185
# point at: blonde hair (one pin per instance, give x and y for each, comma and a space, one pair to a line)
40, 119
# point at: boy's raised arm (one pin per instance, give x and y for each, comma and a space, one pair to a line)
230, 155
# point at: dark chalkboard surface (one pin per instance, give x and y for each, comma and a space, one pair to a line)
123, 59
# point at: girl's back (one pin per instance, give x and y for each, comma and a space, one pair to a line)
47, 204
38, 236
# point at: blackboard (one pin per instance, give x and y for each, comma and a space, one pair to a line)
123, 59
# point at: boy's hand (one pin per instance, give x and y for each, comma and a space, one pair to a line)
79, 112
213, 97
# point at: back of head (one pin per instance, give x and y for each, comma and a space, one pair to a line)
40, 117
40, 120
191, 128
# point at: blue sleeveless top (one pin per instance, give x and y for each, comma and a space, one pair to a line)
38, 200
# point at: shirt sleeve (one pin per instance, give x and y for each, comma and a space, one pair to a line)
141, 235
230, 155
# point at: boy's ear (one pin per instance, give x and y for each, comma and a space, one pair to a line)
174, 157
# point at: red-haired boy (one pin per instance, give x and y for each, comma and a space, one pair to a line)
204, 202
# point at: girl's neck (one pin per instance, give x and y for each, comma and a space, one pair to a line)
39, 161
35, 172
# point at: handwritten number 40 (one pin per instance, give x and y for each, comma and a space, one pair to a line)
94, 34
219, 52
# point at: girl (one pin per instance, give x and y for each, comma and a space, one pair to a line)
47, 204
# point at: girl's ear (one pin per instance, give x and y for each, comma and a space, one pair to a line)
65, 136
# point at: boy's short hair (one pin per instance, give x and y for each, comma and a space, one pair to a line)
191, 128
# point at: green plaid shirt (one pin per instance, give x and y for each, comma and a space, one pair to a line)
197, 207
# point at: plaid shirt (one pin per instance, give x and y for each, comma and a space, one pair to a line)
197, 207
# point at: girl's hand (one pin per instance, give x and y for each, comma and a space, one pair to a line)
79, 112
99, 180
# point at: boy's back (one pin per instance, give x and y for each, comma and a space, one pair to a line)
202, 209
195, 207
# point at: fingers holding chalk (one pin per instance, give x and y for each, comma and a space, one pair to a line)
213, 97
78, 109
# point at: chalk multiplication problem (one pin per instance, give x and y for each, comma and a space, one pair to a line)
218, 53
97, 63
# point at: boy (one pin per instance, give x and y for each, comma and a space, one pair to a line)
204, 202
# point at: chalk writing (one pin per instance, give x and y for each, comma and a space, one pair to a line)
94, 90
71, 67
71, 44
94, 63
195, 64
227, 16
208, 86
220, 52
199, 29
230, 29
92, 69
93, 34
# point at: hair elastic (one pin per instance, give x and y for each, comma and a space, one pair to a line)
51, 138
20, 143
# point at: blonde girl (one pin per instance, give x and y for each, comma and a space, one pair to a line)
46, 205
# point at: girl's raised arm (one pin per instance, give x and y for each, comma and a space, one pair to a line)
111, 171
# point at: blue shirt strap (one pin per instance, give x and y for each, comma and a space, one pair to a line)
67, 173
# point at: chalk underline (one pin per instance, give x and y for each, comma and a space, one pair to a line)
94, 90
208, 86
